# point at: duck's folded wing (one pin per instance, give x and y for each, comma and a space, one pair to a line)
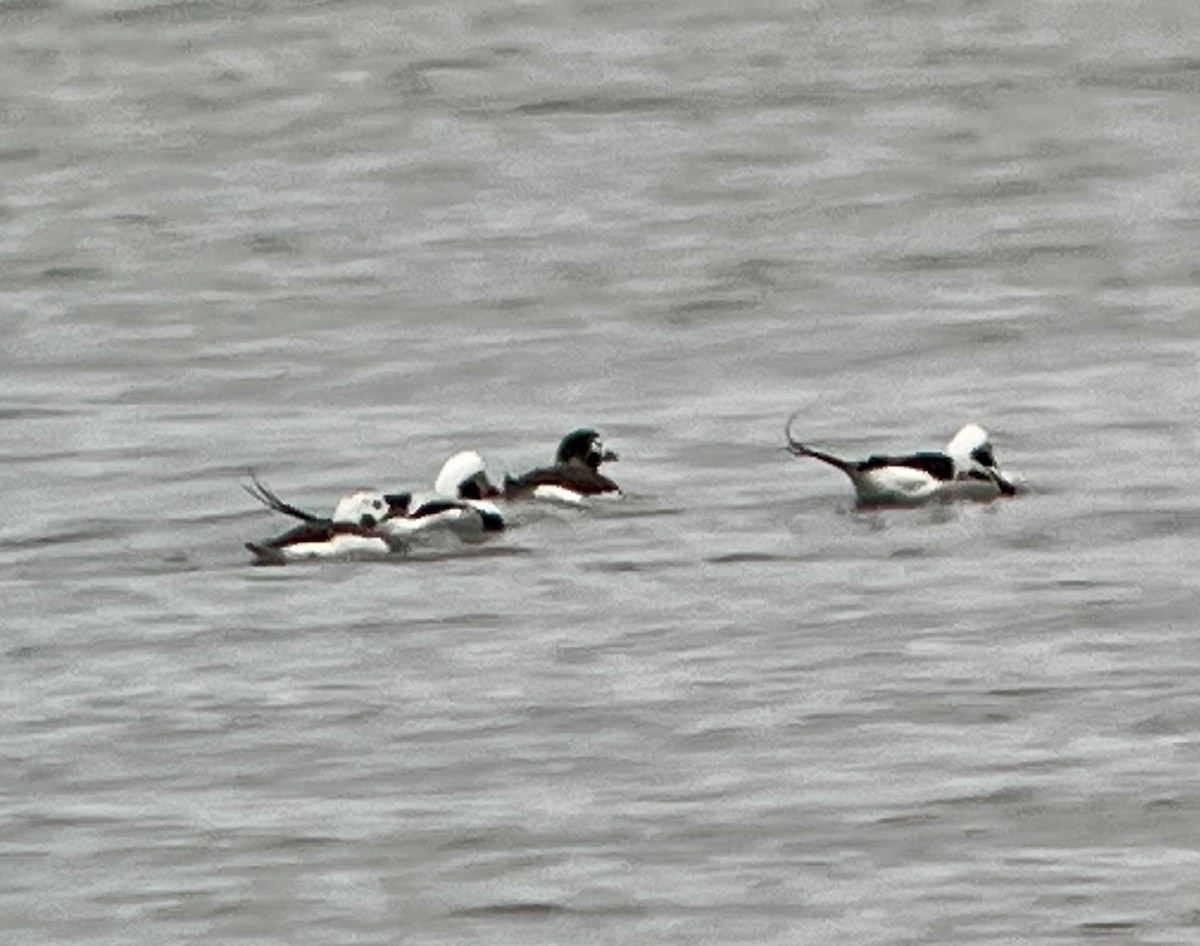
568, 476
937, 465
318, 531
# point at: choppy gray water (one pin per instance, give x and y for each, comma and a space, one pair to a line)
337, 241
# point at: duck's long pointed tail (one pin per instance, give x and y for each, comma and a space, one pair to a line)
267, 496
797, 449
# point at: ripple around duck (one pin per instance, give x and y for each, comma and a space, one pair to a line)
518, 909
754, 558
601, 105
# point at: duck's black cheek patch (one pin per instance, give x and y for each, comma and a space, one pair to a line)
983, 455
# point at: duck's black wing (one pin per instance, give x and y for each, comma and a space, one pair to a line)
489, 520
309, 532
937, 465
434, 506
576, 477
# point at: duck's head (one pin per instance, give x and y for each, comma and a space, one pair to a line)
464, 476
584, 446
971, 451
368, 508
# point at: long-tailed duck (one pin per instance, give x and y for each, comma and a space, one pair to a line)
357, 528
465, 476
966, 469
459, 503
574, 475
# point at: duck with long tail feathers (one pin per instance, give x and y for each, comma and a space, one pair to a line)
967, 468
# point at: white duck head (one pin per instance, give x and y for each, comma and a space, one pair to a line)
971, 451
464, 476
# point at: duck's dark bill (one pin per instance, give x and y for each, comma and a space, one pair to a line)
1002, 484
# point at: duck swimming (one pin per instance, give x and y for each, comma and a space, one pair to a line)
465, 476
460, 503
574, 475
372, 523
355, 530
966, 469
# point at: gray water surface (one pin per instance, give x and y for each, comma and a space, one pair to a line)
338, 241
